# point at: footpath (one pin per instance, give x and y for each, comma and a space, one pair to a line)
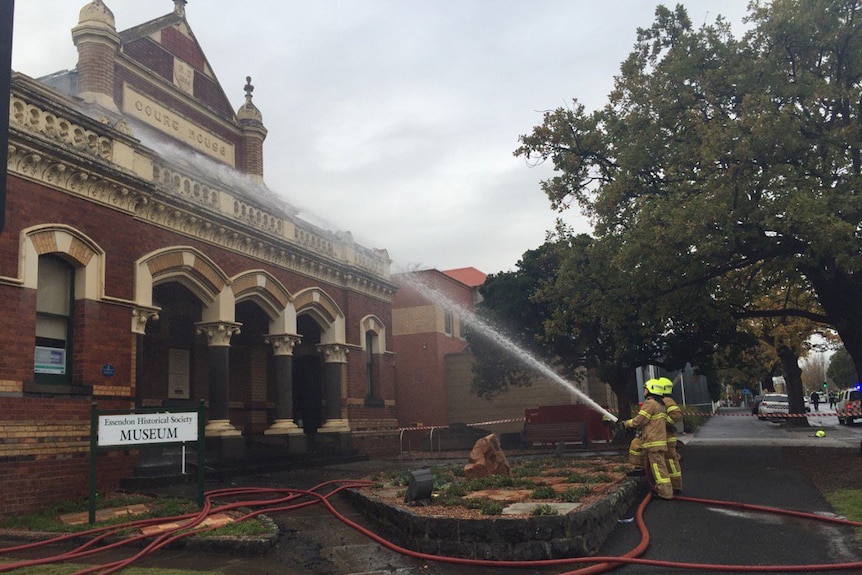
758, 471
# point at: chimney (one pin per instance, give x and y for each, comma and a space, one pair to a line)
253, 135
97, 41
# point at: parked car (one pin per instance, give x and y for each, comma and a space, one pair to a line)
755, 405
773, 406
849, 405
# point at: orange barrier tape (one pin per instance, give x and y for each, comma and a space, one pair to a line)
430, 427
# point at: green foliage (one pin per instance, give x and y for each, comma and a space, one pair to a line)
455, 490
720, 170
841, 369
49, 521
574, 494
484, 505
692, 419
543, 509
544, 492
848, 502
578, 478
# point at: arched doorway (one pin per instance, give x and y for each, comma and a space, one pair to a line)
173, 365
252, 373
307, 375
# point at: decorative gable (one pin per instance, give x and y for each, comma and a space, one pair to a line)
168, 47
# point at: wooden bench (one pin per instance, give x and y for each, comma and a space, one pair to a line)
556, 432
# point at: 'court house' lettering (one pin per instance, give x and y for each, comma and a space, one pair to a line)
158, 116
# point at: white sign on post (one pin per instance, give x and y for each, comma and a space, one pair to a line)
134, 429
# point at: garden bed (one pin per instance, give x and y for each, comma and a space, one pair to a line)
549, 508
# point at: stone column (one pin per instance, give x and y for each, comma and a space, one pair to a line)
140, 316
282, 348
334, 360
218, 335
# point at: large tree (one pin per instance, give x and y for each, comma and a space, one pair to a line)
567, 304
841, 370
717, 159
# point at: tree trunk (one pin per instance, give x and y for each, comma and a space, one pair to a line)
620, 378
793, 379
839, 295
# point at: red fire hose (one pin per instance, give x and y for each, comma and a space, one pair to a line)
272, 500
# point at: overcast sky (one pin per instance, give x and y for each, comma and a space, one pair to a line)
397, 119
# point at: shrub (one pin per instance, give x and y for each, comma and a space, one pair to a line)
544, 492
544, 509
484, 505
574, 494
577, 478
692, 419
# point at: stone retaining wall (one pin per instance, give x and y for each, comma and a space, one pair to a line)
577, 534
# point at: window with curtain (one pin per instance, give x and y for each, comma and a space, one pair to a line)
54, 319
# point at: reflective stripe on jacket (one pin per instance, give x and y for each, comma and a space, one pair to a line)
651, 420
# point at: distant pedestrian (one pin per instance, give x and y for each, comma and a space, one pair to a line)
815, 400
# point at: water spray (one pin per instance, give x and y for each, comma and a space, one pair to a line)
502, 341
241, 182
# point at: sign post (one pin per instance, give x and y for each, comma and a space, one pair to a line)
130, 429
94, 449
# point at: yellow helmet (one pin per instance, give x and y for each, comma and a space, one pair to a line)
654, 386
666, 384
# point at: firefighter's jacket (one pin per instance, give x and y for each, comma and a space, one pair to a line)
651, 421
672, 413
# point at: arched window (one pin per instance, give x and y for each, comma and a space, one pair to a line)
55, 305
371, 370
369, 363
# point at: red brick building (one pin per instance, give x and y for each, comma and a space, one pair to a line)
145, 264
434, 360
425, 332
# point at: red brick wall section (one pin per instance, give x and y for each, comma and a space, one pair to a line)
95, 73
376, 443
250, 156
150, 54
44, 456
183, 47
17, 334
101, 330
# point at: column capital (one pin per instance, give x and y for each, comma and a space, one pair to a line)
140, 316
282, 343
218, 332
334, 352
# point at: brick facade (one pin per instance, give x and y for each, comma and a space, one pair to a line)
177, 275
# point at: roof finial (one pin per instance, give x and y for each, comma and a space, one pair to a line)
180, 7
248, 89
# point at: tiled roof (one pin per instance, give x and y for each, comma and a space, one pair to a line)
468, 276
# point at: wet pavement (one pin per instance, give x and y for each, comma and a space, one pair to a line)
732, 458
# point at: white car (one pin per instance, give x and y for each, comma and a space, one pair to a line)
849, 405
773, 406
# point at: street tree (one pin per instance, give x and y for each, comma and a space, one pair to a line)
715, 156
567, 304
841, 369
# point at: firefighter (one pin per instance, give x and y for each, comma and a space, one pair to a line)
652, 423
672, 458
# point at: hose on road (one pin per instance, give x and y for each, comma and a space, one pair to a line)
260, 500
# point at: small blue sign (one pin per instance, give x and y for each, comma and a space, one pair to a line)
108, 370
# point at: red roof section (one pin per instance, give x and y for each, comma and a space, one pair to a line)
468, 276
